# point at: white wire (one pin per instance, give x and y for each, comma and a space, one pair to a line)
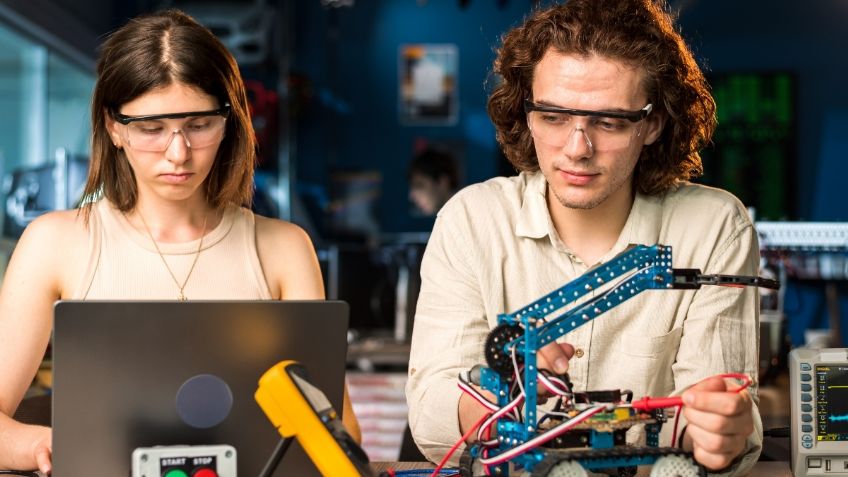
542, 438
465, 385
552, 386
517, 374
497, 415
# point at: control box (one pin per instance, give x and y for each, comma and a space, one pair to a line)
184, 461
819, 415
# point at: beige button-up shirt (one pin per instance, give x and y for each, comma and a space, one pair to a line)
494, 249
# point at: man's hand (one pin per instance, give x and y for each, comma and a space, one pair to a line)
720, 422
554, 357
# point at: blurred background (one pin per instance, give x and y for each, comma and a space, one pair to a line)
370, 113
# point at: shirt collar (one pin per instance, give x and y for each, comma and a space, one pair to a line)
533, 218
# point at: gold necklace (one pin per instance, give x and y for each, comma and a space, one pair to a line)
181, 296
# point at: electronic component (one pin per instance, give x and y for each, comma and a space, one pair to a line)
184, 461
820, 236
819, 417
300, 410
587, 429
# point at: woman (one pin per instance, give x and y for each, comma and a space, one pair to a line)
173, 153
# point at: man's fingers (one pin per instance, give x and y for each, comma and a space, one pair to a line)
555, 356
717, 400
714, 451
718, 423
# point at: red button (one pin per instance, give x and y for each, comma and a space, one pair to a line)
204, 473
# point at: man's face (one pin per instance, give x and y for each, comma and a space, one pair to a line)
586, 171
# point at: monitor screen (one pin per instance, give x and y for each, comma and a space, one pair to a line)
756, 136
832, 402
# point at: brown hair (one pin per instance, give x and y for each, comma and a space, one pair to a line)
636, 32
155, 51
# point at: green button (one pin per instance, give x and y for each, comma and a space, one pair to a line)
175, 473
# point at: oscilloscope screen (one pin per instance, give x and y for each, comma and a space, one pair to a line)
832, 402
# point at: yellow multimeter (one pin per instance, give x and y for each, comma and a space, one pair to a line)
300, 410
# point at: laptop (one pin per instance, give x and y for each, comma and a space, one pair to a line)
126, 376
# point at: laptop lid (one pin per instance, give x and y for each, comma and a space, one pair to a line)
119, 368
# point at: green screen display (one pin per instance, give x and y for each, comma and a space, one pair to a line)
754, 145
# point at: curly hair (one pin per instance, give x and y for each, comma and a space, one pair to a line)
635, 32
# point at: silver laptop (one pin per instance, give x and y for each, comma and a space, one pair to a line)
129, 375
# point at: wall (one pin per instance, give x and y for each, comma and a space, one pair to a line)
355, 125
807, 38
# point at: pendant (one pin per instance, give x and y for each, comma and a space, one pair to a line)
181, 297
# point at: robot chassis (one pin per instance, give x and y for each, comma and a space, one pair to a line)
585, 430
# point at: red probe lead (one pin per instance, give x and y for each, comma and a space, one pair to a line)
651, 403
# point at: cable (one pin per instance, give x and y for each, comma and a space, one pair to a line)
517, 372
456, 446
276, 456
648, 403
542, 438
777, 432
421, 473
466, 386
496, 415
677, 411
559, 387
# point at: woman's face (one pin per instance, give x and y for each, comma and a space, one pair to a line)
171, 157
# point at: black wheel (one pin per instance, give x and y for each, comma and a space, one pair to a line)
496, 357
627, 471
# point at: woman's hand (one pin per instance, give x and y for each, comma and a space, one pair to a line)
25, 447
42, 450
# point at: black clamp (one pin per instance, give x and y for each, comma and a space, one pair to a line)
691, 278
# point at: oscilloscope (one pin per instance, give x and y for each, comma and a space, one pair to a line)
819, 416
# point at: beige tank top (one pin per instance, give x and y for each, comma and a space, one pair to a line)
123, 263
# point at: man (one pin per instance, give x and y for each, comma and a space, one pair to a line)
603, 109
433, 179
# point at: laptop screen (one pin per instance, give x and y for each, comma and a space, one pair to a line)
129, 375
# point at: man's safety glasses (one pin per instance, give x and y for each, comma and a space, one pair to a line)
602, 130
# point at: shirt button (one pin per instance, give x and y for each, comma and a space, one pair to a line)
578, 352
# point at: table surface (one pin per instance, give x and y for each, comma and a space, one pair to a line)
761, 469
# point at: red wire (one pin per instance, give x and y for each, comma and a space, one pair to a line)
458, 443
677, 411
746, 380
648, 403
644, 404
